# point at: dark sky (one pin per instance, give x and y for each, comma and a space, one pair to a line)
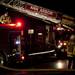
63, 6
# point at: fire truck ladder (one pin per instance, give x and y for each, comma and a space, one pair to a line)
19, 6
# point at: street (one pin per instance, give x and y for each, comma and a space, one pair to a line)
38, 67
11, 71
44, 61
39, 63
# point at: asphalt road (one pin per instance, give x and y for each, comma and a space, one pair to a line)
41, 63
10, 71
39, 67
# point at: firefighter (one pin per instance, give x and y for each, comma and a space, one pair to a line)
71, 52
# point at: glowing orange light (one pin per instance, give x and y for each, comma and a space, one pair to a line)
12, 25
65, 43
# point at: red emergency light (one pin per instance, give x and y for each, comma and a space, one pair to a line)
12, 26
18, 24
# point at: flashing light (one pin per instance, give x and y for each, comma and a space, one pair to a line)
59, 46
22, 57
17, 42
61, 43
65, 43
18, 24
60, 28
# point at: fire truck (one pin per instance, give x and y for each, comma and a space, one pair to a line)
36, 37
10, 40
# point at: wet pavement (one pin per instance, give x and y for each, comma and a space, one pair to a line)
49, 63
38, 72
39, 67
44, 68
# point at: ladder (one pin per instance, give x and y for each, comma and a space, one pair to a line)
32, 10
